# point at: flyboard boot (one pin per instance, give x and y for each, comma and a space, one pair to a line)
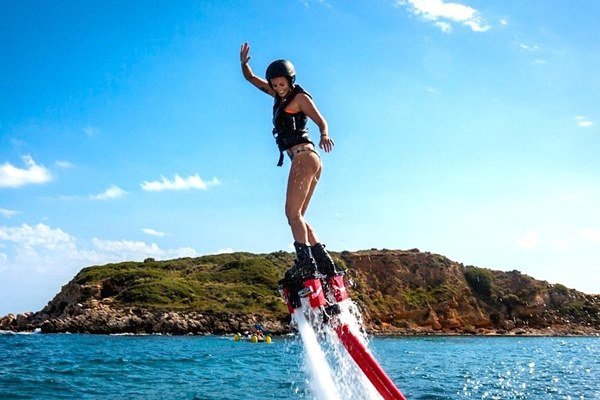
333, 280
302, 280
335, 288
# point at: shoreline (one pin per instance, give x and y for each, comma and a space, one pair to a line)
227, 324
279, 336
105, 319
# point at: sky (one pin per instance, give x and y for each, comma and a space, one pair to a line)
466, 128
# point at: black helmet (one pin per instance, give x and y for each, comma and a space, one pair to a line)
283, 68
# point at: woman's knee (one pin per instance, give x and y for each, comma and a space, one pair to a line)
293, 215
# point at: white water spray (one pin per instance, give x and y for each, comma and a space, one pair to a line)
321, 379
332, 372
352, 382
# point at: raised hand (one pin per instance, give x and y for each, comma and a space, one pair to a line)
244, 50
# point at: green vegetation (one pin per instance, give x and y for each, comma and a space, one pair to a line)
390, 286
480, 279
239, 282
561, 289
418, 297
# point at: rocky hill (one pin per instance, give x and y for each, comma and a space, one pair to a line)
399, 292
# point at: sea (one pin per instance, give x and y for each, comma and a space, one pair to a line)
77, 366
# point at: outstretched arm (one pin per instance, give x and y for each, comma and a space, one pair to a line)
249, 75
308, 107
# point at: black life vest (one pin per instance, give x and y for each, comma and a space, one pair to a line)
289, 129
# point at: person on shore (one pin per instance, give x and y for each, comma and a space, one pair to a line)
292, 106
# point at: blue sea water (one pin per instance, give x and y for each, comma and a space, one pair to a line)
38, 366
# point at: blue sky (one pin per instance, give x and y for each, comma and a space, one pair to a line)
466, 128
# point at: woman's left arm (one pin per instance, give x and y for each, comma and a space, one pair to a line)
308, 107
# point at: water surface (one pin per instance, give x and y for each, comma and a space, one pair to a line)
40, 366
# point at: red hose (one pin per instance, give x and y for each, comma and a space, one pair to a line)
367, 363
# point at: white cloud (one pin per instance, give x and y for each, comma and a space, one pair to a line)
444, 26
583, 122
179, 183
8, 213
182, 252
528, 48
226, 250
135, 250
35, 261
113, 192
444, 13
40, 235
528, 240
64, 164
131, 248
504, 22
42, 249
153, 232
11, 176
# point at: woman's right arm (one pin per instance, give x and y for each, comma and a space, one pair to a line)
249, 75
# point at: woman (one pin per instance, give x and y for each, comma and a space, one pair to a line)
292, 107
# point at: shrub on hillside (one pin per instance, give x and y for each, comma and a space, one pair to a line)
248, 271
480, 279
157, 293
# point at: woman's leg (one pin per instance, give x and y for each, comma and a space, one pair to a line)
304, 174
312, 235
324, 261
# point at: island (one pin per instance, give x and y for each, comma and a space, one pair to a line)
399, 292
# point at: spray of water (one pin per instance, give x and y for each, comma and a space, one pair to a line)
323, 349
322, 383
352, 383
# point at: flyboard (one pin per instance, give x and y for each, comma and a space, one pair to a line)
324, 298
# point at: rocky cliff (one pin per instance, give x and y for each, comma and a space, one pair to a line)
399, 292
419, 292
